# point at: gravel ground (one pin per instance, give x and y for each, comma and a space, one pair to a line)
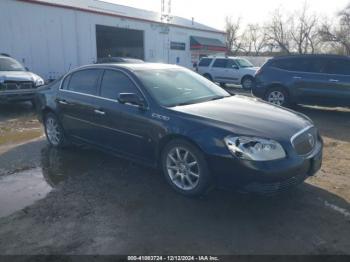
81, 201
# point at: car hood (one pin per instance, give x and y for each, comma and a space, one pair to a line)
18, 76
248, 116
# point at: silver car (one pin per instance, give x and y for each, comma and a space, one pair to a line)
16, 82
230, 70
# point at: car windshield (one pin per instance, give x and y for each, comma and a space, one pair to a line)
177, 86
244, 63
9, 64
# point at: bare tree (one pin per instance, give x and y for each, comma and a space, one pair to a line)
339, 34
233, 37
278, 32
304, 31
256, 38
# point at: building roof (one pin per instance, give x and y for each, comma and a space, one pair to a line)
106, 8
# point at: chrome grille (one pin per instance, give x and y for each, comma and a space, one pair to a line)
12, 85
305, 141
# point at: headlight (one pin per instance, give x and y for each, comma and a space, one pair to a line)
256, 149
39, 82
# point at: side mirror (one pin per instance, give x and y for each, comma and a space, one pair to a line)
132, 99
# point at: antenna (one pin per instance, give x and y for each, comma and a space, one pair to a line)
166, 11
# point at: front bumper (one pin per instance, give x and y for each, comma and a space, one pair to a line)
17, 95
265, 177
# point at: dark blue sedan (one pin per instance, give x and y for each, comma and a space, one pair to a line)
169, 117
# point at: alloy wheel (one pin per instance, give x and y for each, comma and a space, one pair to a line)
183, 168
53, 131
276, 97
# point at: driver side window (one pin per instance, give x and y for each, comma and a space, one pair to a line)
114, 83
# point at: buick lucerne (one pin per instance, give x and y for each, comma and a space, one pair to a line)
169, 117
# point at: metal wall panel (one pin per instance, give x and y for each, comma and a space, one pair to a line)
51, 40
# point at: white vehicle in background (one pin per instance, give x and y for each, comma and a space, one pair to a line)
16, 82
229, 70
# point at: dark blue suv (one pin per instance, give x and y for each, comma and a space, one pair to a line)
305, 79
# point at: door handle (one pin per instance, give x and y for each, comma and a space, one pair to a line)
62, 102
333, 80
297, 77
99, 112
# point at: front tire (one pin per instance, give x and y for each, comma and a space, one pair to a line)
54, 131
33, 103
185, 168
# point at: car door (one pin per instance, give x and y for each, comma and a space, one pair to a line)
76, 103
204, 66
338, 81
219, 70
310, 84
233, 71
125, 129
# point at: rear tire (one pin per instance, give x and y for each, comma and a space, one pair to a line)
248, 82
207, 76
54, 131
277, 96
185, 168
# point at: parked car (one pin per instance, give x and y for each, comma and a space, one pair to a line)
16, 82
118, 60
170, 117
305, 79
231, 70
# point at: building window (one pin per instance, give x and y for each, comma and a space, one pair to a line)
178, 46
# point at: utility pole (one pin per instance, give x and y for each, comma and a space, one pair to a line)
166, 11
166, 18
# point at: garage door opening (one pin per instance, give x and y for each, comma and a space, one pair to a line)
119, 42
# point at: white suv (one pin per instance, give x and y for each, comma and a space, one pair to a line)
230, 70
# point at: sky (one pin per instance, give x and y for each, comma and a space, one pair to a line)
213, 13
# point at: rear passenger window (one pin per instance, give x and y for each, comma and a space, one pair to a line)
205, 62
85, 81
301, 64
315, 65
338, 67
221, 63
114, 83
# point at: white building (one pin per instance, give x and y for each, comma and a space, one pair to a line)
50, 37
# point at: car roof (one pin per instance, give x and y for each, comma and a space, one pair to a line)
223, 57
132, 67
310, 56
